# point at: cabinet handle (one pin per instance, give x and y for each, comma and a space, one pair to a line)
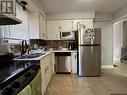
59, 27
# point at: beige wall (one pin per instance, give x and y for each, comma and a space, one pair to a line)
117, 36
106, 42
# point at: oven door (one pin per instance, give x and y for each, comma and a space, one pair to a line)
26, 91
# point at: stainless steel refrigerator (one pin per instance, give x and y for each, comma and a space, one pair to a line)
89, 49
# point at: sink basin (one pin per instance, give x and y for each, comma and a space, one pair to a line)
30, 56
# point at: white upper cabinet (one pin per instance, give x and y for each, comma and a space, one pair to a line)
42, 27
65, 25
75, 24
87, 22
37, 26
34, 26
20, 31
53, 30
54, 27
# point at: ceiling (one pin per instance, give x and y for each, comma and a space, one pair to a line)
99, 6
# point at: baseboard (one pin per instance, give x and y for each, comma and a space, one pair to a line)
107, 66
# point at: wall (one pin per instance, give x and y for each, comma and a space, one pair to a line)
103, 17
39, 7
106, 42
117, 42
120, 14
72, 15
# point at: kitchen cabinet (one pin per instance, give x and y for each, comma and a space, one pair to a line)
37, 26
74, 62
53, 30
42, 26
43, 76
65, 25
75, 24
26, 91
47, 65
19, 31
87, 22
72, 24
54, 27
36, 84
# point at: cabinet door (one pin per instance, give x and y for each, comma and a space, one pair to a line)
34, 26
75, 24
36, 84
53, 30
26, 91
48, 69
52, 62
42, 27
88, 23
43, 76
65, 25
20, 31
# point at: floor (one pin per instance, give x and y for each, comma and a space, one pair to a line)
112, 81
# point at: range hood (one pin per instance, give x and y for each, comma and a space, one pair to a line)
9, 20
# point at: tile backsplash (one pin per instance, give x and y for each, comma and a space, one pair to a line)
54, 44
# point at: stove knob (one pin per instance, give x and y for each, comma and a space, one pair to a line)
7, 91
27, 75
16, 85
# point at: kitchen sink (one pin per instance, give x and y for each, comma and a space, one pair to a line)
30, 56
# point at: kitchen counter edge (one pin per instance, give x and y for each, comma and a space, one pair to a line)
42, 56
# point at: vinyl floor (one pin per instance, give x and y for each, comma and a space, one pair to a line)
112, 81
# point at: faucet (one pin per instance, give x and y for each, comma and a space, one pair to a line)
24, 47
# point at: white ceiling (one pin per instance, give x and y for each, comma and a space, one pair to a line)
99, 6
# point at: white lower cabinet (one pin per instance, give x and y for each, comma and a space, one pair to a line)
25, 91
36, 84
43, 76
47, 70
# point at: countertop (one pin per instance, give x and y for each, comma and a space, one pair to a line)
42, 56
63, 50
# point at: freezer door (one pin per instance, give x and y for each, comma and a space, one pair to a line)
89, 36
89, 60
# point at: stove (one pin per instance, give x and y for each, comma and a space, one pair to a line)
14, 77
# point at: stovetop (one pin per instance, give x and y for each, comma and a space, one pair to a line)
11, 72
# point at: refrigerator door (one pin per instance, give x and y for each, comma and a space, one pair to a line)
89, 36
89, 60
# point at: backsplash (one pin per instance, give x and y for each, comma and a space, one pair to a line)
57, 44
39, 42
54, 44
